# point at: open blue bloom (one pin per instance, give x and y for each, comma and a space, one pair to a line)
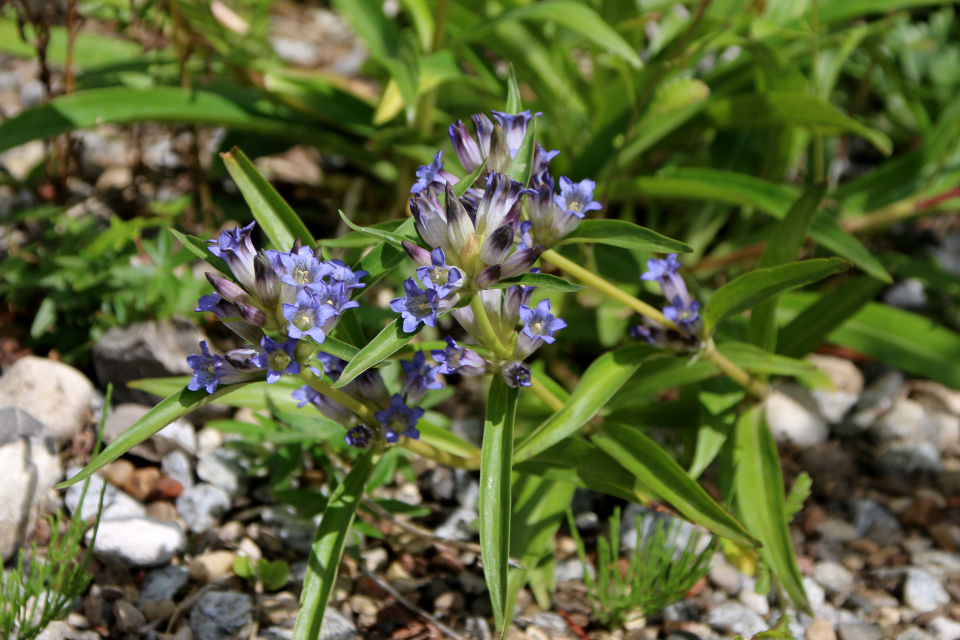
204, 369
337, 271
416, 306
516, 374
301, 269
399, 419
540, 323
277, 358
541, 160
576, 197
420, 378
307, 316
667, 273
235, 247
359, 437
456, 359
684, 314
335, 296
433, 175
439, 276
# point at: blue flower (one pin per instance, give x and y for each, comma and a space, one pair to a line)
576, 197
204, 369
399, 419
456, 359
416, 306
420, 378
667, 273
305, 395
359, 437
684, 314
307, 316
516, 374
540, 323
301, 268
335, 296
433, 175
277, 358
439, 276
337, 271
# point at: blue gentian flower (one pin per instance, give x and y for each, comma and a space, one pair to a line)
684, 314
399, 419
416, 306
420, 378
577, 197
307, 316
540, 323
456, 359
335, 296
204, 369
337, 271
433, 176
301, 268
439, 276
359, 437
277, 358
667, 272
516, 374
235, 247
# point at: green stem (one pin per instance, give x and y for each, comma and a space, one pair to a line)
546, 396
735, 373
365, 413
446, 458
487, 334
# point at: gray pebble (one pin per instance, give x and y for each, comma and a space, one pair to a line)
202, 505
923, 592
733, 617
221, 616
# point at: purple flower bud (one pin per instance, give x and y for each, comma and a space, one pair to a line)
399, 419
369, 385
667, 273
236, 249
359, 437
252, 315
305, 395
498, 245
467, 149
228, 289
327, 407
277, 358
438, 276
456, 359
488, 277
266, 281
420, 378
662, 338
539, 326
460, 232
521, 261
430, 218
513, 298
204, 370
337, 271
577, 197
516, 374
433, 176
499, 156
419, 255
230, 314
500, 195
416, 306
332, 365
307, 316
541, 158
523, 232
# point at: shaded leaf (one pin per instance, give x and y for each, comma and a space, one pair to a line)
521, 167
542, 280
385, 344
621, 233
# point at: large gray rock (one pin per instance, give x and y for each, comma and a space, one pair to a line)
223, 468
179, 435
138, 542
145, 350
56, 394
221, 616
28, 458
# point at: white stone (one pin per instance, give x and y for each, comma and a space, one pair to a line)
906, 420
794, 417
847, 382
923, 592
138, 542
56, 394
944, 628
202, 505
833, 576
116, 503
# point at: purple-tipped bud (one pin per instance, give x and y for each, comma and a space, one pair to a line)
421, 377
499, 157
433, 176
499, 197
419, 255
667, 273
416, 306
399, 419
541, 158
460, 229
369, 385
521, 261
252, 315
330, 409
277, 358
456, 359
516, 374
513, 298
468, 152
498, 245
228, 290
266, 281
236, 249
488, 277
430, 219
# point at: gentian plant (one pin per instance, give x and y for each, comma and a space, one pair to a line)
484, 260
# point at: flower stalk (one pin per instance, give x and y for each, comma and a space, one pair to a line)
365, 413
487, 332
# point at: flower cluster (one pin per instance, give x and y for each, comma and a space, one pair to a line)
682, 309
285, 304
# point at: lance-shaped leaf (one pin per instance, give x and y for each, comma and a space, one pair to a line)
783, 246
495, 469
521, 167
644, 458
169, 410
199, 248
385, 344
752, 288
281, 224
395, 239
621, 233
514, 105
339, 348
759, 491
600, 381
380, 260
718, 399
542, 280
328, 544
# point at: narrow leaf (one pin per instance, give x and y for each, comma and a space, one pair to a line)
760, 501
719, 399
495, 469
380, 260
542, 280
387, 236
521, 167
385, 344
328, 545
199, 248
621, 233
281, 224
644, 458
339, 349
462, 185
169, 410
752, 288
513, 93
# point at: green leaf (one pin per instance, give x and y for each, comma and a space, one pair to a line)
495, 470
811, 327
169, 410
645, 459
841, 10
273, 574
542, 280
757, 360
422, 17
759, 495
719, 399
783, 246
89, 49
435, 430
462, 185
387, 236
597, 385
380, 260
521, 167
281, 224
328, 544
799, 493
404, 68
752, 288
199, 248
340, 349
385, 344
773, 109
621, 233
243, 566
514, 104
46, 317
574, 15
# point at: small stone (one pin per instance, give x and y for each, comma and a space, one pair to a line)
374, 559
944, 628
832, 469
820, 629
906, 294
365, 608
913, 633
571, 569
337, 626
138, 542
472, 583
947, 536
815, 593
116, 504
836, 530
754, 601
725, 576
587, 521
155, 609
905, 458
859, 631
448, 602
166, 488
221, 616
202, 505
119, 471
54, 393
793, 416
733, 617
459, 525
923, 592
833, 577
279, 609
876, 398
295, 532
162, 510
409, 493
177, 465
211, 566
222, 469
140, 483
848, 385
937, 562
176, 436
128, 618
163, 584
